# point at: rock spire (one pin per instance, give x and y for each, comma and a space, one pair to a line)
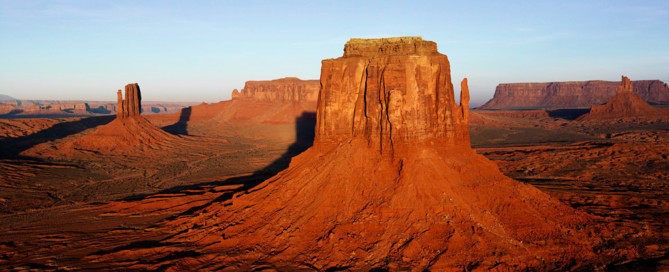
132, 105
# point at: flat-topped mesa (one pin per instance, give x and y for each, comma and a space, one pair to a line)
390, 98
571, 94
389, 46
289, 89
132, 104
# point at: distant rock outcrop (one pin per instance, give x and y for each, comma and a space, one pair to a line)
289, 89
260, 103
572, 94
391, 183
624, 104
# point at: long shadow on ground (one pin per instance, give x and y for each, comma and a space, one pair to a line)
12, 147
304, 127
181, 126
567, 114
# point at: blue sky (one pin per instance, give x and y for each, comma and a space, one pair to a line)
202, 50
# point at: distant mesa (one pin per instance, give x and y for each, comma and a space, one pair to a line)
624, 104
392, 183
289, 89
571, 94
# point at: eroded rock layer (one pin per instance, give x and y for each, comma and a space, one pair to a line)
391, 182
572, 94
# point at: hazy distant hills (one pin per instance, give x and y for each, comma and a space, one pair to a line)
6, 97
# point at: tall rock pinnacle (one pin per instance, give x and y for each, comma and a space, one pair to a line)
132, 105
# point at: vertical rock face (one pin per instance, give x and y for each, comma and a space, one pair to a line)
289, 89
132, 104
572, 94
390, 92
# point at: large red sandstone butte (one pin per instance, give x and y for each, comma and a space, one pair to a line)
624, 104
391, 182
571, 94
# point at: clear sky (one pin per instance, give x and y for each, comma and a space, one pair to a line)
202, 50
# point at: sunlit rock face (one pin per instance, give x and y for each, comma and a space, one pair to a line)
132, 104
390, 92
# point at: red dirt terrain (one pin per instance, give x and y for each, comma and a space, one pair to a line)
390, 183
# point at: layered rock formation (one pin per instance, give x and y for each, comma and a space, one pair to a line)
132, 104
624, 104
391, 182
573, 94
289, 89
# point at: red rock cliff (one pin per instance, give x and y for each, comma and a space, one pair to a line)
289, 89
390, 91
573, 94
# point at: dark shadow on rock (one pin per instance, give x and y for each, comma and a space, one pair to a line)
100, 110
567, 114
12, 147
305, 128
181, 126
